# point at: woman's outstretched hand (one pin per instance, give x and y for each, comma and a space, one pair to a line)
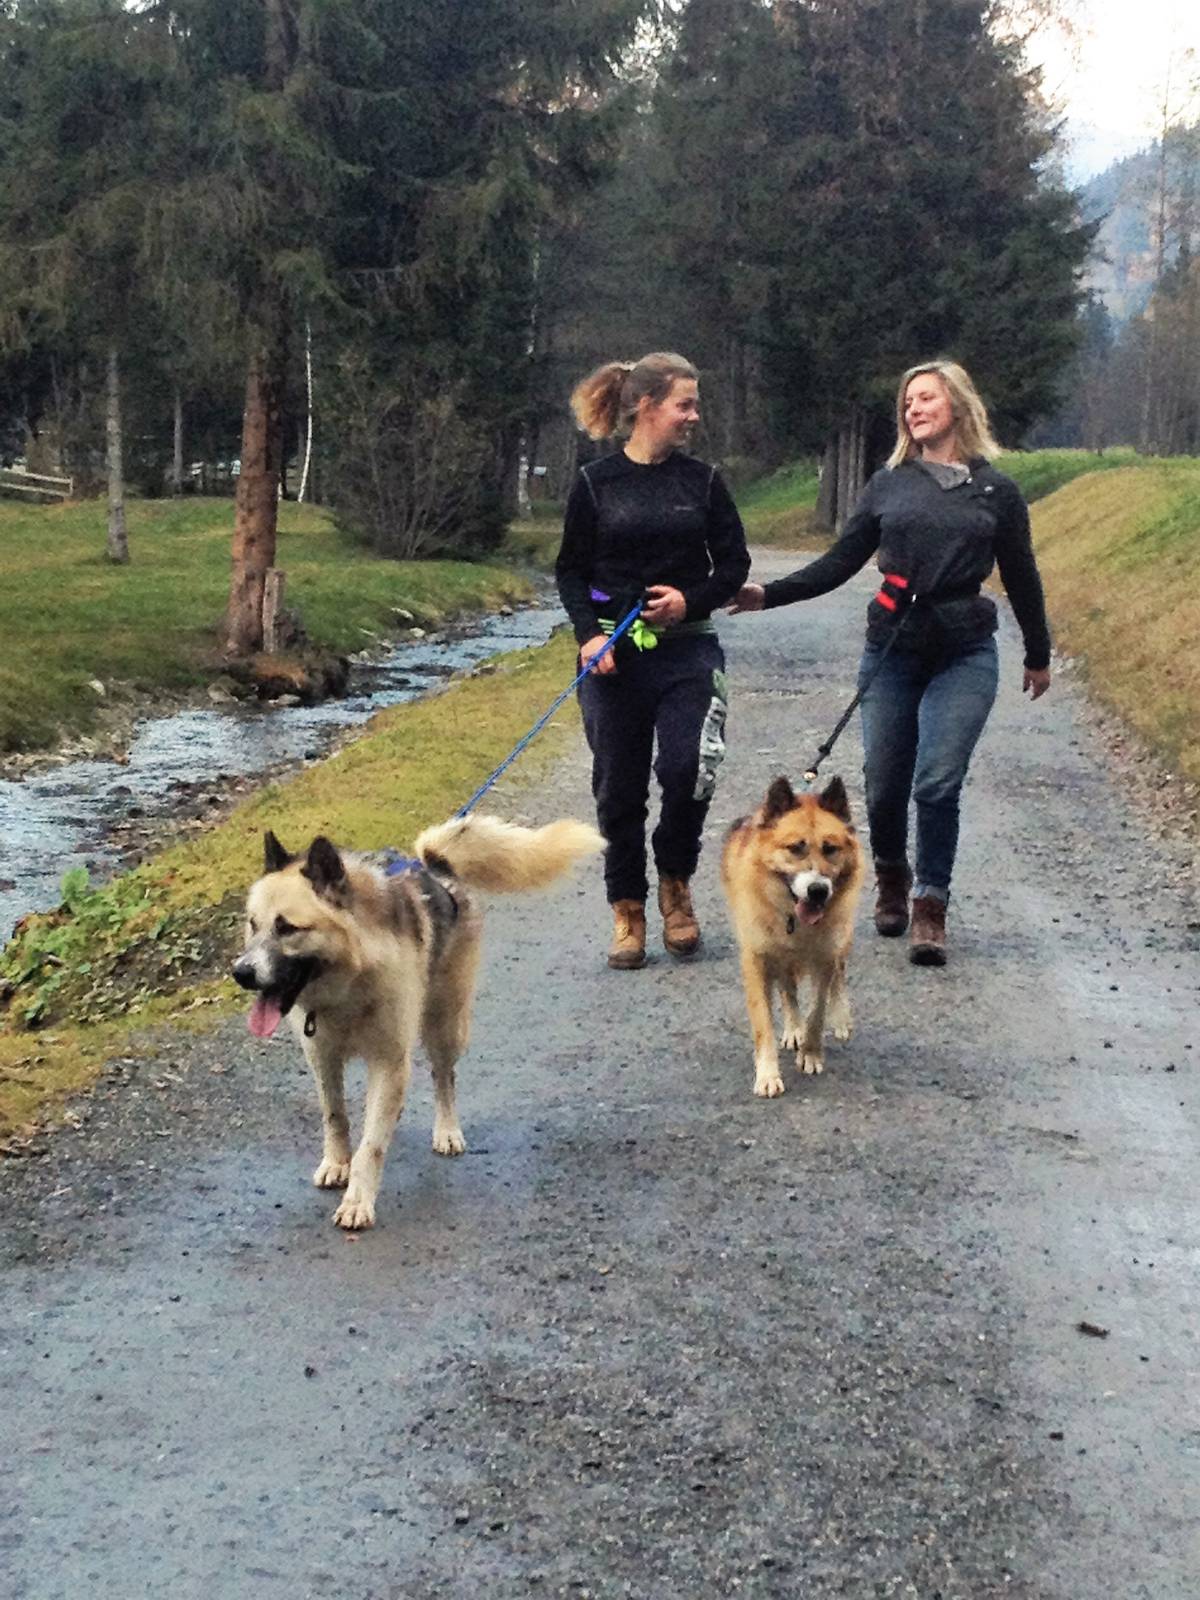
1035, 682
593, 648
750, 597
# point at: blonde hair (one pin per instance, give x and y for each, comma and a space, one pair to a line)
971, 426
606, 402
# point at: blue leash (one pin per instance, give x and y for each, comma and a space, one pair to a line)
625, 623
398, 864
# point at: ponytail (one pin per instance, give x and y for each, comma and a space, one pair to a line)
596, 401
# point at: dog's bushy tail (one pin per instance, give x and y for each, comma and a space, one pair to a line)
490, 854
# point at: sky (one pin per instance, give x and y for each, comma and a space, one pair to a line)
1109, 78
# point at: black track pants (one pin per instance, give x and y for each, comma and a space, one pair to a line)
674, 696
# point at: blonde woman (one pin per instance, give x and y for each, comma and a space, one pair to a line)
650, 524
940, 517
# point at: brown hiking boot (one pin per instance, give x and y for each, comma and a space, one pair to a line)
893, 880
629, 935
928, 944
681, 931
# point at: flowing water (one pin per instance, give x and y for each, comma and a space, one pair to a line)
64, 816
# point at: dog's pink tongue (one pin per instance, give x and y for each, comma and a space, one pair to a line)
265, 1016
809, 915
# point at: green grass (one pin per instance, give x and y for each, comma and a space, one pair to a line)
778, 509
1038, 473
1120, 557
67, 615
533, 541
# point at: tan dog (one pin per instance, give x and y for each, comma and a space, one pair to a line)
363, 963
792, 874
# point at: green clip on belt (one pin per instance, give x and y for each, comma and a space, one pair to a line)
646, 637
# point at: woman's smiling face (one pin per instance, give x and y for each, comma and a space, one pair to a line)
668, 423
928, 414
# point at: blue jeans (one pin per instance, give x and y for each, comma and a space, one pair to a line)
921, 719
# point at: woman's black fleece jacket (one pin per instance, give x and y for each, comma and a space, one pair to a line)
945, 543
629, 525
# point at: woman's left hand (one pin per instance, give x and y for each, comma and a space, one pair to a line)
664, 605
1036, 682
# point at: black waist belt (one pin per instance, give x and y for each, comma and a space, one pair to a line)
895, 593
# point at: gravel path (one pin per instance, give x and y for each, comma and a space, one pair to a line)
652, 1337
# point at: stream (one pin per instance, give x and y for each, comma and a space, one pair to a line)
66, 815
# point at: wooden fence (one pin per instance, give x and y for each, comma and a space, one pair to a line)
19, 481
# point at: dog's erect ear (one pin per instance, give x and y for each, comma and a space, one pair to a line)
833, 797
781, 798
275, 857
324, 868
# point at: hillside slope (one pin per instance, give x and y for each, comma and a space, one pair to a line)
1120, 555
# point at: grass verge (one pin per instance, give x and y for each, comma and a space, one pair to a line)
149, 946
1038, 473
153, 624
778, 509
1120, 555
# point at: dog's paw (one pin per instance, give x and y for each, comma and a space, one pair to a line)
810, 1064
332, 1174
791, 1038
842, 1030
768, 1086
355, 1213
448, 1141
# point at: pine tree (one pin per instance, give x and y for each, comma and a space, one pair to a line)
76, 172
844, 187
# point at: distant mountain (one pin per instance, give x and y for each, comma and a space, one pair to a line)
1123, 198
1088, 149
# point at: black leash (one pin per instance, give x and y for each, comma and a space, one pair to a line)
810, 777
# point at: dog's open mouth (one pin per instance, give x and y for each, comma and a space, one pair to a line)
809, 914
265, 1016
272, 1005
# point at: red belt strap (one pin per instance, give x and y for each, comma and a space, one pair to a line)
884, 598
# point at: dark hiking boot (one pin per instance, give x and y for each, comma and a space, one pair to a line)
681, 931
893, 880
628, 950
927, 947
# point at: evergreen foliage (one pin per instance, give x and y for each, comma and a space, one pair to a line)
471, 202
875, 172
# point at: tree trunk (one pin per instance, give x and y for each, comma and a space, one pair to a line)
257, 497
508, 462
272, 608
737, 397
844, 487
177, 453
827, 488
843, 471
308, 437
118, 539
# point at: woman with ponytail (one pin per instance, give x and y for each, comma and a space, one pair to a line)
650, 525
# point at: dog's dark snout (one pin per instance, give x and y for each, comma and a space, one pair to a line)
818, 894
244, 973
